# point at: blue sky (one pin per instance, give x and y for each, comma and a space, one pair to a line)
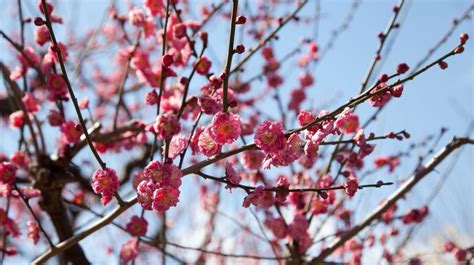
433, 100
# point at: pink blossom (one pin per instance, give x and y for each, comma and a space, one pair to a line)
347, 121
311, 149
17, 119
30, 102
84, 103
292, 150
177, 145
137, 226
282, 183
136, 17
33, 231
29, 57
17, 73
62, 49
145, 192
225, 128
11, 228
139, 60
296, 98
163, 175
164, 198
149, 27
194, 144
274, 80
179, 30
299, 228
203, 66
319, 206
270, 136
267, 53
55, 118
252, 159
460, 255
27, 192
151, 98
306, 80
129, 250
231, 175
41, 35
166, 126
71, 132
305, 117
351, 186
253, 197
449, 246
207, 145
154, 7
20, 159
278, 227
266, 201
105, 182
7, 172
56, 87
209, 105
397, 91
381, 98
391, 161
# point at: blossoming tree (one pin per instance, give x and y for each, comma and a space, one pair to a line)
135, 127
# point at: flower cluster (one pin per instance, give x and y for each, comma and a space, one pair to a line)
159, 189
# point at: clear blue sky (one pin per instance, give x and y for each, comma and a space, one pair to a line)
433, 100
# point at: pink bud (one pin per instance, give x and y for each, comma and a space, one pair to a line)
38, 21
240, 20
402, 68
463, 38
167, 60
240, 49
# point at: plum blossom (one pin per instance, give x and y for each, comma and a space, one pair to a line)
225, 128
17, 119
7, 172
270, 136
347, 121
105, 182
166, 126
129, 250
164, 198
207, 145
252, 159
177, 145
145, 194
137, 226
254, 197
71, 132
163, 174
231, 175
33, 231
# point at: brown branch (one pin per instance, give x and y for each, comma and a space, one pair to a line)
196, 167
400, 193
17, 96
269, 37
230, 53
278, 189
57, 50
384, 37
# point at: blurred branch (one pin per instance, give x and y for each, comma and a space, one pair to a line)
398, 194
